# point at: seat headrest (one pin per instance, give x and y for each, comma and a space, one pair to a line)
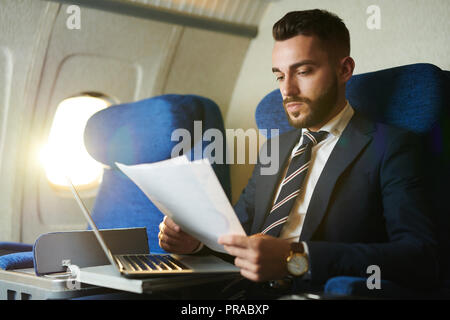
410, 97
140, 132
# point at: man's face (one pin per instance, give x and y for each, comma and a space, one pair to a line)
307, 80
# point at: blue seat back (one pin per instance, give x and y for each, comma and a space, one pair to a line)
140, 132
411, 97
414, 97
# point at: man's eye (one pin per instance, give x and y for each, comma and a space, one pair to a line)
280, 78
303, 73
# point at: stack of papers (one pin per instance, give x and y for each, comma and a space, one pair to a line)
190, 194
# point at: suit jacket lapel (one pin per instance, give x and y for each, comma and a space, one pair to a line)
266, 185
352, 141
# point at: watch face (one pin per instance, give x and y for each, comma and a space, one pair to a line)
297, 265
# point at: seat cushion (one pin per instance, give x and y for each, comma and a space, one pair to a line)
121, 204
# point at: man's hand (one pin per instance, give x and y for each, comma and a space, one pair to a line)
260, 257
173, 239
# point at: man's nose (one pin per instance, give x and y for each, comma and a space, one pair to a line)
289, 87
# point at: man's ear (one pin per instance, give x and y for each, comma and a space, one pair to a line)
346, 67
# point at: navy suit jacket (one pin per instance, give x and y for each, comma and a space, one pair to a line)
368, 207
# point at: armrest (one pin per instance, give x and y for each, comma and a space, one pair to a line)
18, 260
357, 287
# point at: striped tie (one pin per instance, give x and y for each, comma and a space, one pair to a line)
292, 183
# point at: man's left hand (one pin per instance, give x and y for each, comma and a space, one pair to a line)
260, 257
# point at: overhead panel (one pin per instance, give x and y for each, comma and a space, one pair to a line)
240, 17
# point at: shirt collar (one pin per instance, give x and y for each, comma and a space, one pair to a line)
338, 123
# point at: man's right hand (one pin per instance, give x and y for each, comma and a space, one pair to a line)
174, 240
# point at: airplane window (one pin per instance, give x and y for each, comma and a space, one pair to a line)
64, 154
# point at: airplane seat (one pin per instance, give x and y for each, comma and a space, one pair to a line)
414, 97
141, 132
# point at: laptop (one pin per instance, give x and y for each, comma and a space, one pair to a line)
155, 265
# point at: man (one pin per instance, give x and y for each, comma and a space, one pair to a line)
348, 195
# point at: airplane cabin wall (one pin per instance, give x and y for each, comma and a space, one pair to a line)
19, 44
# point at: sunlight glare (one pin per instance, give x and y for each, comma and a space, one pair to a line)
65, 155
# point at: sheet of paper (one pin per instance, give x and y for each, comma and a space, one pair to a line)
190, 194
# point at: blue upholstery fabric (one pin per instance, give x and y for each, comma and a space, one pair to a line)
17, 260
270, 114
15, 255
414, 97
357, 287
140, 132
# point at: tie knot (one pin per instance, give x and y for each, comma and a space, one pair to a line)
313, 137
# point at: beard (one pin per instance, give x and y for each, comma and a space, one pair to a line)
319, 109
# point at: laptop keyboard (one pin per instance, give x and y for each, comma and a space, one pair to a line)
150, 262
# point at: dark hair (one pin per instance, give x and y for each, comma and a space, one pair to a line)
327, 26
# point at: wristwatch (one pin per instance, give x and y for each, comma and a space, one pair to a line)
297, 262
